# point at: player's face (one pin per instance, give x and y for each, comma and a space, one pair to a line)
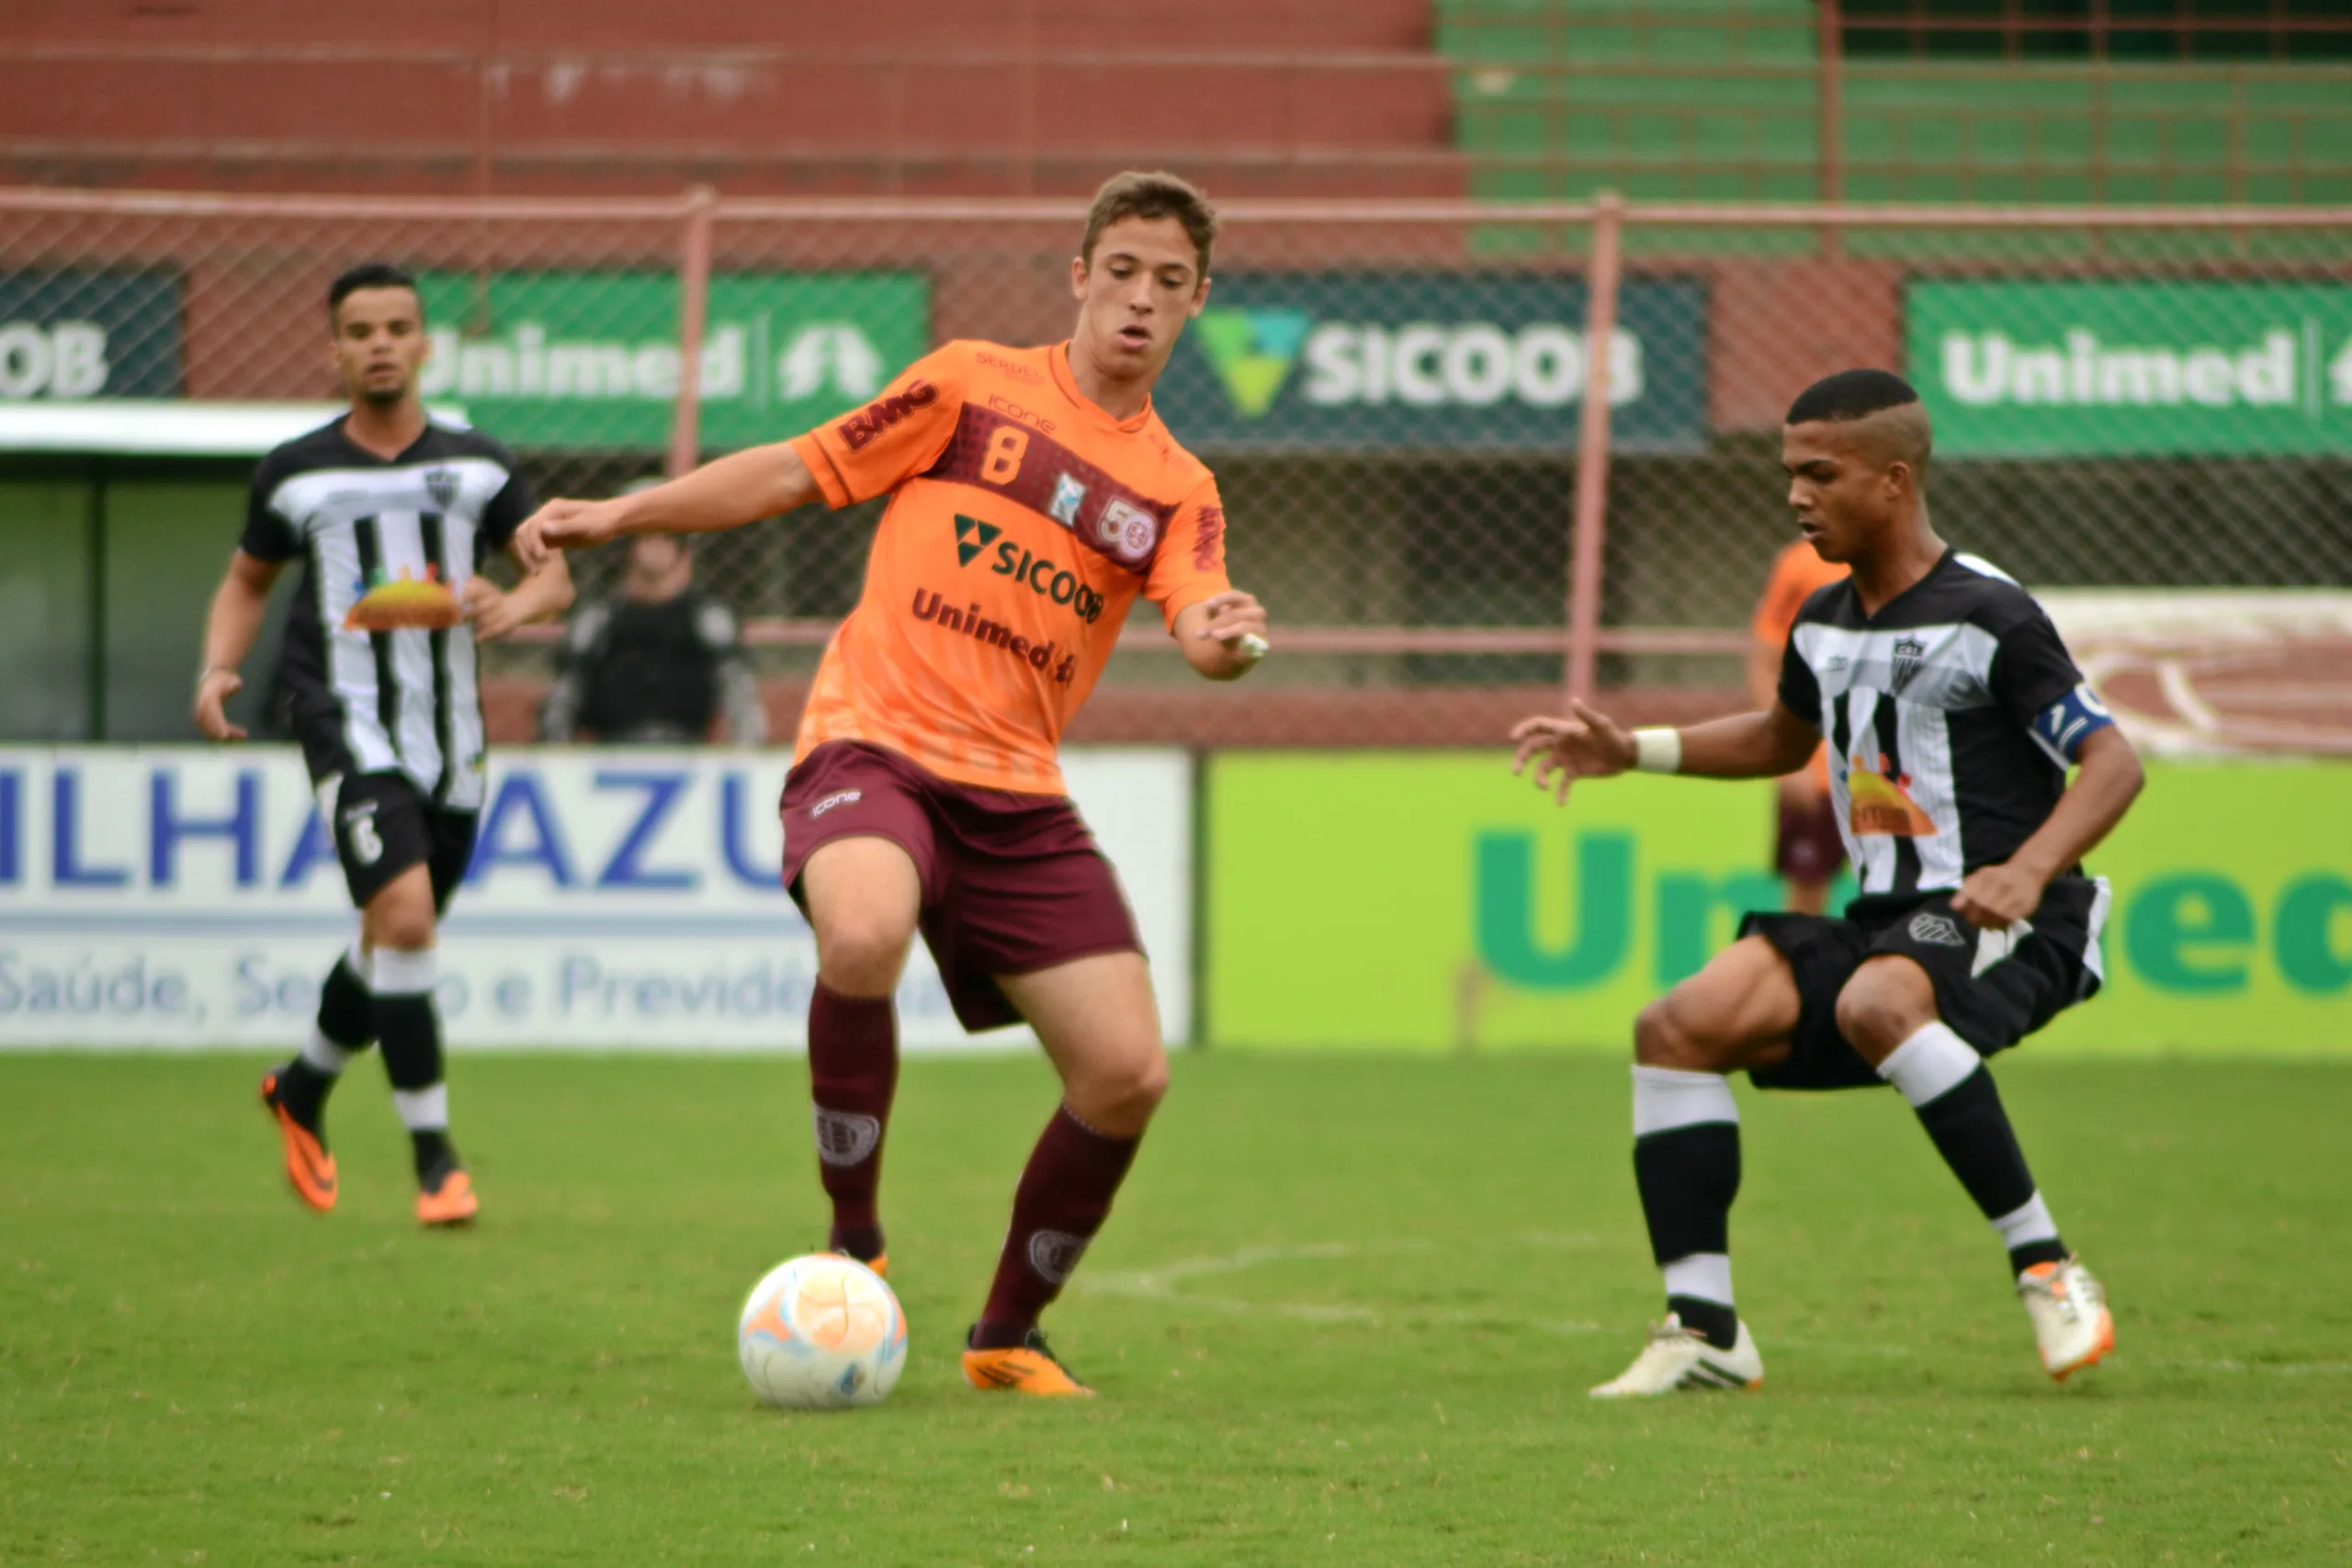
378, 343
1145, 283
1843, 498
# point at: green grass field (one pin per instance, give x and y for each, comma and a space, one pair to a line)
1345, 1314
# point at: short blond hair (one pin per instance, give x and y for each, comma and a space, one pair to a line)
1157, 193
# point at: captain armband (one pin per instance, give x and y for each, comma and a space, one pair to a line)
2074, 718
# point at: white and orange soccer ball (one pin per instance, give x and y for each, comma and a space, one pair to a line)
821, 1333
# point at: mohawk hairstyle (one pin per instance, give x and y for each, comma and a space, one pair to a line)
1851, 394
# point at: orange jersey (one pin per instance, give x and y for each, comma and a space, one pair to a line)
1797, 572
1023, 521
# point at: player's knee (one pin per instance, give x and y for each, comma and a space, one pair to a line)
862, 952
1875, 1014
402, 927
1671, 1033
1120, 1096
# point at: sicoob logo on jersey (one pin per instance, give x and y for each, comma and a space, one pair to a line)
1041, 576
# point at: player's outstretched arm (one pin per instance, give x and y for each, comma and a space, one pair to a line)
544, 594
759, 482
1996, 897
238, 606
1588, 744
1223, 636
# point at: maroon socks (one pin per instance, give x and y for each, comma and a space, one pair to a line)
853, 1071
1063, 1196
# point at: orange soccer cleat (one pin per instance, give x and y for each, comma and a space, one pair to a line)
310, 1169
1028, 1368
450, 1201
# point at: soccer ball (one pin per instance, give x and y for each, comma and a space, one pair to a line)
821, 1333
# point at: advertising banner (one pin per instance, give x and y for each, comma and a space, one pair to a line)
591, 358
2132, 369
1433, 902
183, 896
69, 335
1359, 361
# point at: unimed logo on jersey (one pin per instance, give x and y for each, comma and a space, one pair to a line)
860, 429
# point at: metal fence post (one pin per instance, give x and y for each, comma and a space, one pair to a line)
693, 306
1592, 445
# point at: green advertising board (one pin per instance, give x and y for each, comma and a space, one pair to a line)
1432, 902
572, 359
2132, 369
1361, 361
66, 335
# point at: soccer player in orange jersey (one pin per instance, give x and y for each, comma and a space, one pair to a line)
1035, 493
1807, 850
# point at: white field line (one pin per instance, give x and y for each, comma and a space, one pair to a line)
2173, 680
1162, 1282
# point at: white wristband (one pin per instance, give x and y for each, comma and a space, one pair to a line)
1658, 750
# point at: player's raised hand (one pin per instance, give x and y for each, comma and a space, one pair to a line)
213, 691
1586, 744
563, 525
491, 612
1995, 897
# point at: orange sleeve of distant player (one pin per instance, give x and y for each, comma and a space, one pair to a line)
1190, 563
1785, 594
871, 451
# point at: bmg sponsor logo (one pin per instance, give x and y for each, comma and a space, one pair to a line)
860, 429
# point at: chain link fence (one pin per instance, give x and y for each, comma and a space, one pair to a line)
1393, 396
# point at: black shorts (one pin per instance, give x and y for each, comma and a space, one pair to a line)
383, 824
1993, 988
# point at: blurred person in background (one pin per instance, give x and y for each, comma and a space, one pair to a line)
393, 515
655, 663
1807, 850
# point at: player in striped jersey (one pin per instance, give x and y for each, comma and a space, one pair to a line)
392, 515
1952, 712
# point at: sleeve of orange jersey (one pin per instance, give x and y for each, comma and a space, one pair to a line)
1190, 563
1784, 594
872, 450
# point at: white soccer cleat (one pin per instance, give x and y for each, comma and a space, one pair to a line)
1677, 1357
2071, 1322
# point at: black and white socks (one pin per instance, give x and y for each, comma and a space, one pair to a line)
1686, 1163
409, 1026
345, 1026
1951, 1088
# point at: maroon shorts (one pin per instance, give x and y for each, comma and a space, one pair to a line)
1808, 848
1012, 883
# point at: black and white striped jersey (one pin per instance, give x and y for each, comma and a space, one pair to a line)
407, 700
1946, 716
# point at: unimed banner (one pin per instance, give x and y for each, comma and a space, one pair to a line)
569, 359
186, 897
2132, 369
1357, 361
1433, 902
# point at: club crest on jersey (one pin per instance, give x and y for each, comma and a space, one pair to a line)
972, 536
1937, 930
441, 484
1910, 655
1069, 496
1126, 533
